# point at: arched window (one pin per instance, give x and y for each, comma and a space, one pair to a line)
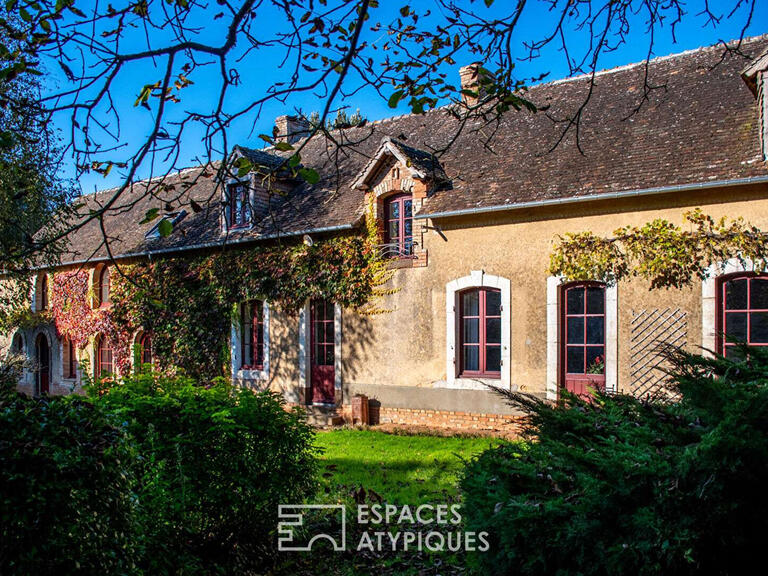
17, 344
104, 287
743, 312
69, 359
583, 328
104, 362
480, 332
252, 335
44, 293
398, 225
145, 349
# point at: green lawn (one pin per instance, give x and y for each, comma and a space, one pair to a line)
403, 469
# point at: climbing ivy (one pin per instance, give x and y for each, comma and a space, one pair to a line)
665, 254
187, 304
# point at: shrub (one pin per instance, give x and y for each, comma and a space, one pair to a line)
65, 499
214, 463
622, 486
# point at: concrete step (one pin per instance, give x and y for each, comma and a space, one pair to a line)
324, 416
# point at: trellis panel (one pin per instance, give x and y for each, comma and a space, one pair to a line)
652, 330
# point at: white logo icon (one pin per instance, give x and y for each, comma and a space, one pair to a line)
292, 516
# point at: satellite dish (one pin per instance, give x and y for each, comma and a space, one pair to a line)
308, 240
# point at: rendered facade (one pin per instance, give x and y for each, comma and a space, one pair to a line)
469, 232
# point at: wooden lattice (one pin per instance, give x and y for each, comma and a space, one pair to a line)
653, 329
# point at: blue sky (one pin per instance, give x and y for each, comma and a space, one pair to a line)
262, 69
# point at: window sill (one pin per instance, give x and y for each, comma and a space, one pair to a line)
238, 228
465, 382
251, 374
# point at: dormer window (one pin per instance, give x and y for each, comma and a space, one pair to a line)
166, 224
239, 209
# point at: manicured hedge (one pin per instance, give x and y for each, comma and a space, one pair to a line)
621, 486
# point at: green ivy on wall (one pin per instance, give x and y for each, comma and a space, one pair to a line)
187, 303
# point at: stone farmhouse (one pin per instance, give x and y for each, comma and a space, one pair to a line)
469, 233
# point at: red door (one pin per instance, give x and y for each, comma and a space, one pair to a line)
43, 365
584, 338
323, 352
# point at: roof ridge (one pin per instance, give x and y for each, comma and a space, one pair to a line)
654, 60
602, 72
172, 174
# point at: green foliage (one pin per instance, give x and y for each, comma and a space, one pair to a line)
31, 189
213, 464
342, 120
622, 486
187, 303
66, 504
661, 252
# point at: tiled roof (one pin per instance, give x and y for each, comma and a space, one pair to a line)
699, 124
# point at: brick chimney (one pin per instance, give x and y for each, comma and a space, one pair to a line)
291, 128
469, 81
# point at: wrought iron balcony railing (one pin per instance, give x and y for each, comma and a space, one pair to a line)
397, 250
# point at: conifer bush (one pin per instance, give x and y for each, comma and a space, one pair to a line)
625, 486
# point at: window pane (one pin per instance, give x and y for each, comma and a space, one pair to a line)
733, 353
595, 330
575, 330
329, 333
493, 358
329, 356
394, 209
736, 326
595, 360
758, 294
736, 294
471, 358
408, 208
595, 300
493, 330
394, 230
758, 328
471, 330
470, 303
493, 303
319, 332
409, 228
575, 360
575, 297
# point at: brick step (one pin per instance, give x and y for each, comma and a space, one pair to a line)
324, 416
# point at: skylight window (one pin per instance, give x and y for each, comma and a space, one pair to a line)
165, 225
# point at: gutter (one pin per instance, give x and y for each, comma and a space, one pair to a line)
594, 197
218, 244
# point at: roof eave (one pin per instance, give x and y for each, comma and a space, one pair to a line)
596, 197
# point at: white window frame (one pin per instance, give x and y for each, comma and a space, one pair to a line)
476, 279
553, 337
236, 350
